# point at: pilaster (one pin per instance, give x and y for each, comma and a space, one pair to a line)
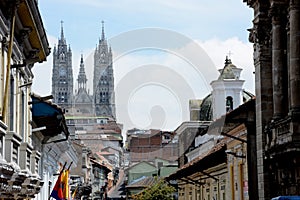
294, 74
294, 14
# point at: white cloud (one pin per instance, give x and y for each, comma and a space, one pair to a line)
135, 100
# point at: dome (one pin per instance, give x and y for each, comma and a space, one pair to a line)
206, 109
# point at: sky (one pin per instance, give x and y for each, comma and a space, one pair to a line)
165, 52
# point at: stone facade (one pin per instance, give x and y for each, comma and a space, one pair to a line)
275, 35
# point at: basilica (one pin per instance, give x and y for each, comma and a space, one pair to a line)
102, 101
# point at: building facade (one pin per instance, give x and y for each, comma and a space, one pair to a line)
23, 43
276, 41
147, 145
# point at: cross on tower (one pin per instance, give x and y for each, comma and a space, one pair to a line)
229, 54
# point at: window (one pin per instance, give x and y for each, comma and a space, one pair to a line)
36, 165
11, 103
15, 153
1, 146
23, 117
229, 104
28, 160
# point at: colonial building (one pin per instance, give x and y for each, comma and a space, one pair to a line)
275, 35
23, 43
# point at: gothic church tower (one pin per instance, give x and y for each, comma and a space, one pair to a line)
83, 101
103, 81
62, 74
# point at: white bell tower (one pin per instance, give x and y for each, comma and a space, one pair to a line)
227, 91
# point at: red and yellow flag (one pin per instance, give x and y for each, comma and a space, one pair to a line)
61, 188
57, 192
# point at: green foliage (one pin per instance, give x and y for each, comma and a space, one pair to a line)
158, 191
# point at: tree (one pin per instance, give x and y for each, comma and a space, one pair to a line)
158, 191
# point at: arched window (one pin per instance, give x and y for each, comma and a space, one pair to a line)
229, 104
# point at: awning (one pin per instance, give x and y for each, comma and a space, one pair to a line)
49, 119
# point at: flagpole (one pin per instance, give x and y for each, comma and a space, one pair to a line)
70, 165
61, 171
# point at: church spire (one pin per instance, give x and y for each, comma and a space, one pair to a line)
81, 76
62, 40
62, 30
102, 35
81, 60
62, 72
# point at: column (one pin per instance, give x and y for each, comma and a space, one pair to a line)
278, 64
294, 56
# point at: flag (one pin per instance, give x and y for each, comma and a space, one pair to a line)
65, 184
61, 188
74, 193
57, 192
